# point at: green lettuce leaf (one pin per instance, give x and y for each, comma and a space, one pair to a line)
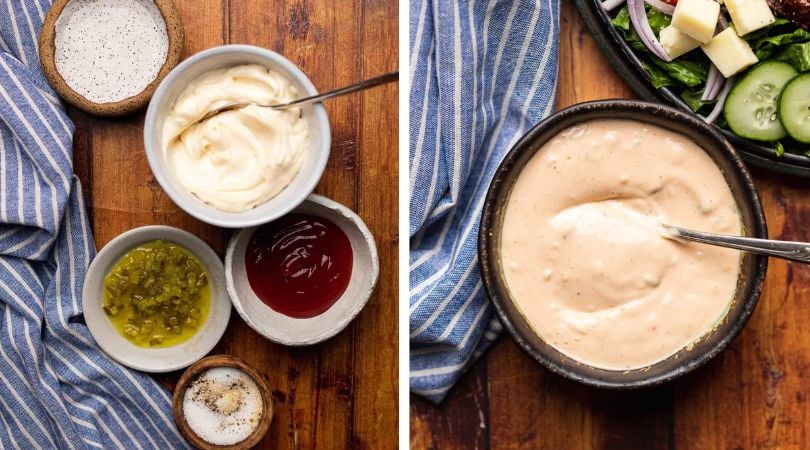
692, 98
771, 29
658, 76
622, 21
767, 41
797, 55
689, 73
658, 20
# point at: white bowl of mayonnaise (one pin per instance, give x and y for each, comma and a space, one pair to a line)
244, 167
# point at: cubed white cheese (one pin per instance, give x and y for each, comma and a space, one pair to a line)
749, 15
729, 52
676, 43
696, 18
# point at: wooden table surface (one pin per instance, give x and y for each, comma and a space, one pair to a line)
341, 393
754, 395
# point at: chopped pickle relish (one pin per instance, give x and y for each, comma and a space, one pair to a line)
157, 295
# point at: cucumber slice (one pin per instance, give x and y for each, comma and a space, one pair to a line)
794, 108
751, 109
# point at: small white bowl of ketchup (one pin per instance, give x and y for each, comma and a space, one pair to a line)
304, 277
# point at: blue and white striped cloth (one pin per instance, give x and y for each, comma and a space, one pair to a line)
57, 389
482, 73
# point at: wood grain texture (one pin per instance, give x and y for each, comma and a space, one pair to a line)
341, 393
754, 395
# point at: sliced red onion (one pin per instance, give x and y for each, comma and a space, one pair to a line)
714, 83
721, 101
610, 5
664, 7
638, 17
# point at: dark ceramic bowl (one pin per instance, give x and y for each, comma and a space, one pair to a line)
628, 66
753, 267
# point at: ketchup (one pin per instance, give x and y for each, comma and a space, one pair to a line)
299, 265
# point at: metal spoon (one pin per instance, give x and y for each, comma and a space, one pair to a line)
371, 82
793, 251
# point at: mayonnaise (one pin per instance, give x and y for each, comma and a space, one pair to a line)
238, 159
582, 255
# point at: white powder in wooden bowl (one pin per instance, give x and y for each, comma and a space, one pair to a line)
110, 50
223, 406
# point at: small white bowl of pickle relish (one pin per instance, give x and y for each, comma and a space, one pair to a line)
155, 300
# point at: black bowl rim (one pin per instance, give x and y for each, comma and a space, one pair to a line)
629, 67
486, 239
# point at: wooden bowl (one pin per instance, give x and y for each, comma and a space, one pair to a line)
752, 267
212, 362
47, 51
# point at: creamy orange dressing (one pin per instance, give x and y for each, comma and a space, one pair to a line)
582, 255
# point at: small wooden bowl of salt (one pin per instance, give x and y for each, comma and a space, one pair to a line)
221, 402
107, 57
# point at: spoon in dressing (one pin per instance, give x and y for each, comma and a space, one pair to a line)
793, 251
366, 84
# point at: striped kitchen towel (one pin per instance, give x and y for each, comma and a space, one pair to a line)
57, 388
482, 73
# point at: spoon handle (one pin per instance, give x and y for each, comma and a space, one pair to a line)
793, 251
371, 82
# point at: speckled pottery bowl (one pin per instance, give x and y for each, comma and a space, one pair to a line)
752, 267
292, 331
47, 56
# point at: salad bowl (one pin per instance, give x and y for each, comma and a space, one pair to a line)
630, 66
